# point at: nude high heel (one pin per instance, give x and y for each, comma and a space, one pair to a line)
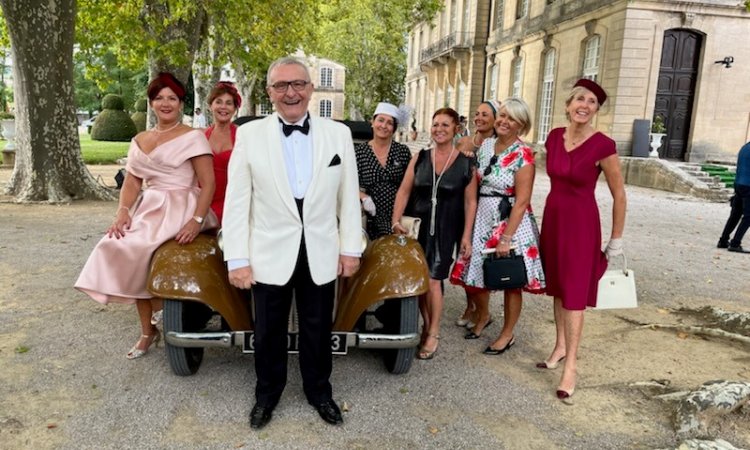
135, 352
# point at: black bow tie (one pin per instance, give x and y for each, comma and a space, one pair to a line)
289, 129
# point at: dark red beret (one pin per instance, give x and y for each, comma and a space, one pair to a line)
595, 89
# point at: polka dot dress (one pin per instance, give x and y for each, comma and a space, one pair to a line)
381, 183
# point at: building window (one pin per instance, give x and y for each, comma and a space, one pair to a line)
460, 100
499, 13
265, 109
325, 108
326, 77
454, 15
467, 13
522, 9
591, 58
492, 88
449, 97
548, 88
517, 76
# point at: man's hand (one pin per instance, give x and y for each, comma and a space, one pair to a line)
241, 278
348, 265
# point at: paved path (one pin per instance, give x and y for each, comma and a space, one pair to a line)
74, 389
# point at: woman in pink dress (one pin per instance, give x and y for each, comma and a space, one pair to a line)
160, 200
224, 100
571, 230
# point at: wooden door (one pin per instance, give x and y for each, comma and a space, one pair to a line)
676, 88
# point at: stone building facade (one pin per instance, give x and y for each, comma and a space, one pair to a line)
681, 60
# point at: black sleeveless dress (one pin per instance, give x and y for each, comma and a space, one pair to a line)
449, 215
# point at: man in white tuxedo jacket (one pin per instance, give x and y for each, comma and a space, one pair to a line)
291, 225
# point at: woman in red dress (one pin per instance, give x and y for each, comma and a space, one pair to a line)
571, 230
223, 101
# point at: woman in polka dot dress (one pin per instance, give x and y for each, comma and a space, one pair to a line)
381, 164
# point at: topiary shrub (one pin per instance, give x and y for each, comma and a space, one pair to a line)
113, 123
139, 116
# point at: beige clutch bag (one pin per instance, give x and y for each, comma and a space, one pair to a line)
412, 226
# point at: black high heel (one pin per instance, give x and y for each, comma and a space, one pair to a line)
493, 351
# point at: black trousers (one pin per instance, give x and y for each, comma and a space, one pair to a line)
740, 210
315, 312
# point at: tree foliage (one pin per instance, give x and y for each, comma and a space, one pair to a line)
369, 37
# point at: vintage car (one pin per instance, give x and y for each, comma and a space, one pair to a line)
375, 309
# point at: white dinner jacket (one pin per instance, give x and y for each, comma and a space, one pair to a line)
261, 222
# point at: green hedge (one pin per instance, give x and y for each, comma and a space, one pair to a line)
113, 124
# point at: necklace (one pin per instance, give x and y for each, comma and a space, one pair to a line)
435, 186
157, 130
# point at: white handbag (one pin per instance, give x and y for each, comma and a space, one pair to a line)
617, 289
412, 226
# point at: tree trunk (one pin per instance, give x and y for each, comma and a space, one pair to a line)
49, 166
207, 71
188, 31
246, 85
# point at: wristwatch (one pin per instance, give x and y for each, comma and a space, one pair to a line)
198, 219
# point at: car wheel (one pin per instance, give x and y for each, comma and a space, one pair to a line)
182, 316
402, 317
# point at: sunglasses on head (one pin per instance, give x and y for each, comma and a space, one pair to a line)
488, 169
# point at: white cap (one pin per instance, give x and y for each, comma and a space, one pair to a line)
388, 109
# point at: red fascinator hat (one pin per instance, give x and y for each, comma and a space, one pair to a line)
595, 89
229, 88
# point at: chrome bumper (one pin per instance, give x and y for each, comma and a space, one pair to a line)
236, 338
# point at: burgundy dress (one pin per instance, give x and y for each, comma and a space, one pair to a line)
571, 237
221, 165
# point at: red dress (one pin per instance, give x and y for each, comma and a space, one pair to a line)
221, 167
571, 237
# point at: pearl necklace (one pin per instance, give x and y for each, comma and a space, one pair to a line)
157, 130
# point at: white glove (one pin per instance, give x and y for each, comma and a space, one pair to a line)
368, 205
614, 248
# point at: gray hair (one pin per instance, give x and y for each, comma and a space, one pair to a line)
286, 61
518, 110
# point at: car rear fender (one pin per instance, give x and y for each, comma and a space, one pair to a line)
196, 272
393, 267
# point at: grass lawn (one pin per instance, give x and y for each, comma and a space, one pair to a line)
101, 152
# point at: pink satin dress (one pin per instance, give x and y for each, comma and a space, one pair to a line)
117, 269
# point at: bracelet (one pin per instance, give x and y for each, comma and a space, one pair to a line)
393, 225
505, 239
121, 207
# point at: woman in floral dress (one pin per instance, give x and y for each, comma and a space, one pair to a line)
504, 219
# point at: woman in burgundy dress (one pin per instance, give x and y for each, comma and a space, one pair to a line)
571, 230
224, 100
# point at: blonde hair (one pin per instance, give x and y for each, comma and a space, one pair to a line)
577, 90
518, 110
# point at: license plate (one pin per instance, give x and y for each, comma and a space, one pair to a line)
339, 344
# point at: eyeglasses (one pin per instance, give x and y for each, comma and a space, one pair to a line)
488, 169
282, 86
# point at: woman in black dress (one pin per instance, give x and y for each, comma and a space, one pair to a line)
381, 164
440, 186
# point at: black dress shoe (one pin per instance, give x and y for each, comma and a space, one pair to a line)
330, 412
260, 416
722, 244
737, 249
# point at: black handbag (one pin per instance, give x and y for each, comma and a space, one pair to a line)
501, 273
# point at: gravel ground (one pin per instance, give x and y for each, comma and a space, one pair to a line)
73, 388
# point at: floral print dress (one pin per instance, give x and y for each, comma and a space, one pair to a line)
490, 221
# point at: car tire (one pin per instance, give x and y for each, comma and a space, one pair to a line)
181, 316
403, 318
